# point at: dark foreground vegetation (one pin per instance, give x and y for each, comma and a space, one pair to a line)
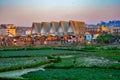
100, 62
75, 74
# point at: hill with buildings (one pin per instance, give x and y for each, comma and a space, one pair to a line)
113, 23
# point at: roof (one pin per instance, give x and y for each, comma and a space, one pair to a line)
94, 32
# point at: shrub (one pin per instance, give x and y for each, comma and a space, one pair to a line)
58, 59
50, 57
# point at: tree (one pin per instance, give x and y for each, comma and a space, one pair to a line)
105, 38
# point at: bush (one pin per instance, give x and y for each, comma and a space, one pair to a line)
50, 57
58, 59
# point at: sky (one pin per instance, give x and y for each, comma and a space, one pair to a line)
25, 12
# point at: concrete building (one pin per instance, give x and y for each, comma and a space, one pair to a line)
97, 29
59, 28
23, 31
116, 30
7, 30
88, 37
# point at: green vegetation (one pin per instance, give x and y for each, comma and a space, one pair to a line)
17, 48
91, 48
105, 38
106, 54
10, 79
74, 74
66, 62
7, 64
79, 61
12, 60
31, 53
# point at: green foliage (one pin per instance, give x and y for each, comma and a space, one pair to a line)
51, 57
113, 48
87, 60
89, 48
10, 79
105, 38
36, 78
58, 59
25, 48
76, 74
8, 64
31, 53
12, 60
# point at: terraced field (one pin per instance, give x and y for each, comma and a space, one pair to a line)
26, 53
74, 74
20, 63
83, 60
63, 63
11, 60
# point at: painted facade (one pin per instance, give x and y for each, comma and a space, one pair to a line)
7, 30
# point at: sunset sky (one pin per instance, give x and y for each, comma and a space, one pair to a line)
24, 12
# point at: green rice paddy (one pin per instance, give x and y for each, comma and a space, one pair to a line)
75, 64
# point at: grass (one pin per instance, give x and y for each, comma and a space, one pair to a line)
111, 54
12, 60
101, 49
16, 59
86, 59
81, 60
74, 74
29, 53
10, 79
16, 48
7, 64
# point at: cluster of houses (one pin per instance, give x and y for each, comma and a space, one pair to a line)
62, 32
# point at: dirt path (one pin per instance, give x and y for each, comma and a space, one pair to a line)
18, 73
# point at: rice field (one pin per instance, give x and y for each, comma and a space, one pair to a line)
73, 65
74, 74
85, 61
21, 53
19, 63
79, 67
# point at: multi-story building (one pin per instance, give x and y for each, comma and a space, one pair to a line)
7, 30
97, 29
22, 31
92, 29
116, 30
